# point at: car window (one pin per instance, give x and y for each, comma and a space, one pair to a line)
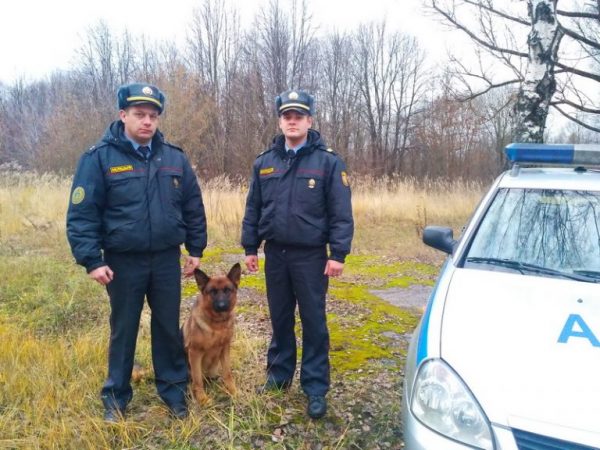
529, 230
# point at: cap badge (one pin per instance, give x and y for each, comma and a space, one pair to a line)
311, 183
293, 95
147, 90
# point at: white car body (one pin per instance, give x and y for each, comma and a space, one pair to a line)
527, 347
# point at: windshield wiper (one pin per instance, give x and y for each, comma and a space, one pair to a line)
594, 274
534, 268
558, 273
516, 265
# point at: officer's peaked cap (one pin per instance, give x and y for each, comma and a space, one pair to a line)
296, 100
139, 94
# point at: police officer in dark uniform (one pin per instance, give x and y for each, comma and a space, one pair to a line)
298, 203
135, 199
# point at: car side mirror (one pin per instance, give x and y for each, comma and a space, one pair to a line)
440, 238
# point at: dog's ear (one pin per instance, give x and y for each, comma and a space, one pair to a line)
235, 274
201, 278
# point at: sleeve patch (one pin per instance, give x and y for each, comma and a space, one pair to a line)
78, 195
345, 179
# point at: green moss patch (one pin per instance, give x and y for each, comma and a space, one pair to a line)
212, 255
377, 271
353, 346
254, 281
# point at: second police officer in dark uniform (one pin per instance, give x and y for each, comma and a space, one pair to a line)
298, 203
135, 199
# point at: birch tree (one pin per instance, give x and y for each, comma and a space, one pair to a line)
545, 52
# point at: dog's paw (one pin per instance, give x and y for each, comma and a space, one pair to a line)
231, 389
203, 399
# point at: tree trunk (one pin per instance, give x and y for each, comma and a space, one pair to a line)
539, 85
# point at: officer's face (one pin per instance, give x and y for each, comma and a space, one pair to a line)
140, 122
294, 126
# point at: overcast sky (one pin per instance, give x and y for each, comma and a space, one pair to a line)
39, 36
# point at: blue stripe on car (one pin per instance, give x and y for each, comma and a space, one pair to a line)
422, 346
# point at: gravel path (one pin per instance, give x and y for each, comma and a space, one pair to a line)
412, 297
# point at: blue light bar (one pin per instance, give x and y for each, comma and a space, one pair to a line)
566, 154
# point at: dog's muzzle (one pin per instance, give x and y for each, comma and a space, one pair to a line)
221, 305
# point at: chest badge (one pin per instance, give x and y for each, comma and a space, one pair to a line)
311, 183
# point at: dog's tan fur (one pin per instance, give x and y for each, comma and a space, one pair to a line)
207, 333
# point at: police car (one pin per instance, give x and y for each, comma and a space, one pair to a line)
507, 353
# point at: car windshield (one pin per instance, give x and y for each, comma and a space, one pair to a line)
546, 232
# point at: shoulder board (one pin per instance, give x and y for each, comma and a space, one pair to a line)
95, 147
327, 149
262, 153
173, 146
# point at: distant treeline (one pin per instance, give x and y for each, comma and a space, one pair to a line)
379, 102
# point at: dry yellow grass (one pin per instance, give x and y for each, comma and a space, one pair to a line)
389, 213
413, 201
29, 201
49, 396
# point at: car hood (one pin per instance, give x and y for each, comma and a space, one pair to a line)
528, 349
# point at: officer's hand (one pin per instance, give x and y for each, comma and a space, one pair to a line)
102, 275
252, 263
191, 263
333, 268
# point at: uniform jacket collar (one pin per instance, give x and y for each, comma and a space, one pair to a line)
115, 135
313, 141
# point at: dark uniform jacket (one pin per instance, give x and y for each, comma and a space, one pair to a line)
122, 203
306, 204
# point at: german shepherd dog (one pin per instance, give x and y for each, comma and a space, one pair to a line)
208, 331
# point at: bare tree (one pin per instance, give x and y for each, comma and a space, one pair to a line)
148, 65
461, 139
284, 40
213, 52
389, 75
97, 60
536, 48
125, 58
302, 40
495, 108
25, 109
213, 44
338, 104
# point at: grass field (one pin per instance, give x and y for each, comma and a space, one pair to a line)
54, 328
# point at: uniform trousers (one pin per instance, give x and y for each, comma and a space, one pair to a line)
155, 276
294, 275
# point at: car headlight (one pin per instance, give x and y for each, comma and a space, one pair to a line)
444, 403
